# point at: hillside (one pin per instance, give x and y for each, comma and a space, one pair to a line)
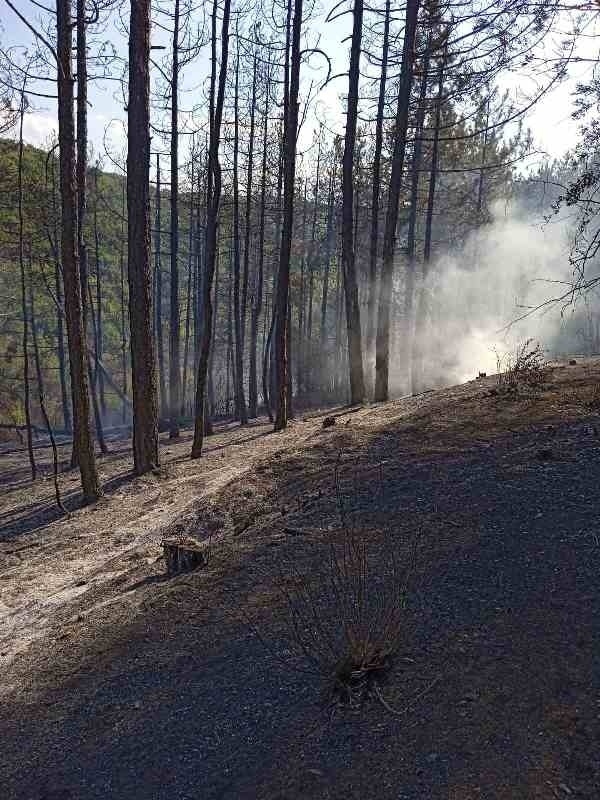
120, 682
41, 220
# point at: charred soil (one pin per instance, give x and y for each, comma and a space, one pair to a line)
118, 681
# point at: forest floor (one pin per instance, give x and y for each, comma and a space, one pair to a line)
116, 682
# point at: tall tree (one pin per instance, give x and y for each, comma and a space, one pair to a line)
81, 24
248, 209
421, 303
212, 221
143, 362
82, 144
406, 354
289, 172
53, 239
355, 362
312, 260
189, 291
174, 321
122, 282
382, 346
158, 276
82, 438
240, 400
99, 342
258, 285
42, 394
26, 381
376, 189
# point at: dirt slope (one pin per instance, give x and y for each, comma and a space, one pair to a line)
119, 683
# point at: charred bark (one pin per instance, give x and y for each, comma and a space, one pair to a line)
143, 364
289, 171
382, 347
214, 196
421, 303
376, 188
357, 383
26, 382
158, 276
258, 289
240, 400
82, 439
42, 395
174, 320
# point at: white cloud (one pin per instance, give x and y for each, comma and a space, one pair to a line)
39, 128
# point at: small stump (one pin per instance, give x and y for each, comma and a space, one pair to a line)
183, 555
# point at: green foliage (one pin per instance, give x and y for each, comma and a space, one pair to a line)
41, 243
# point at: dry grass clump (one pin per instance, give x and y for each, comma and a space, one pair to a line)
592, 403
525, 369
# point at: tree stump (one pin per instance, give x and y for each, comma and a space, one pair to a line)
183, 555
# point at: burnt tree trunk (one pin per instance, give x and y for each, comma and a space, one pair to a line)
189, 294
81, 175
82, 438
81, 169
230, 356
327, 263
267, 385
212, 220
93, 376
355, 363
289, 171
174, 321
99, 303
158, 275
421, 302
312, 260
382, 346
248, 210
240, 401
124, 408
325, 357
271, 354
42, 394
212, 400
302, 298
407, 335
26, 382
143, 364
258, 289
376, 192
60, 334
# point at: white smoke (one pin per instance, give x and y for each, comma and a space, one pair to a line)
504, 270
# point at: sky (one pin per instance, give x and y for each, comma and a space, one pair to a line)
553, 129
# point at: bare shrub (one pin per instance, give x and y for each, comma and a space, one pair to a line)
590, 401
527, 368
347, 618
